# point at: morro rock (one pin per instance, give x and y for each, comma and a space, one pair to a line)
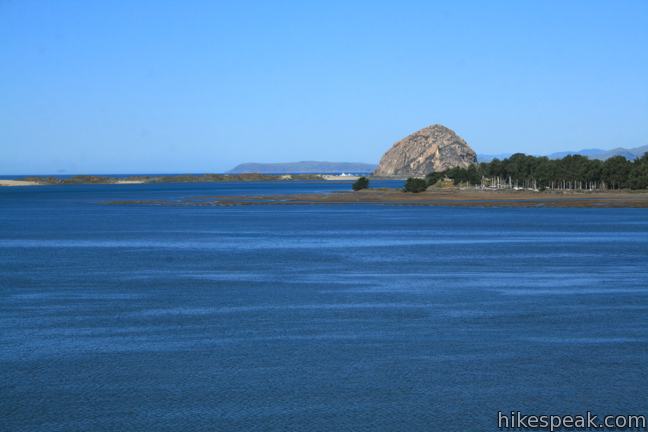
432, 149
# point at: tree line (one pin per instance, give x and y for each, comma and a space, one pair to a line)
573, 172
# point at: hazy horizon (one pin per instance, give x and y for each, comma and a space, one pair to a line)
159, 87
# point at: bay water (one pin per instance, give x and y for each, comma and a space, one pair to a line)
312, 317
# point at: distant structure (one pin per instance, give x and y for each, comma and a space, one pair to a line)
432, 149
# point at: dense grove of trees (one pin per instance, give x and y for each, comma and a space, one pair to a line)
573, 172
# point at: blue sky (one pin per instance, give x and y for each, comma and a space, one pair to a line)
193, 86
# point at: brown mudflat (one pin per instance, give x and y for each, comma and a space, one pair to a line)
441, 197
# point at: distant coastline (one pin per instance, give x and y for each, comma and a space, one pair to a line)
179, 178
304, 171
303, 167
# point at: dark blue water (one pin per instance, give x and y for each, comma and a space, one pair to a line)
312, 318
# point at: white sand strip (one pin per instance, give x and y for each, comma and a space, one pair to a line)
340, 177
17, 183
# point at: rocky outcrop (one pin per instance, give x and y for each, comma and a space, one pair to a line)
432, 149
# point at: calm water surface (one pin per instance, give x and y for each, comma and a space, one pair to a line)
312, 318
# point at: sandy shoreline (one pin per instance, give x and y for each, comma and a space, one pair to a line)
18, 183
456, 198
340, 177
439, 198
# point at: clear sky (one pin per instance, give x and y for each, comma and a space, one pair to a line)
200, 86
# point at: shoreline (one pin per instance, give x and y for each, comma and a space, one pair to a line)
431, 198
18, 183
177, 178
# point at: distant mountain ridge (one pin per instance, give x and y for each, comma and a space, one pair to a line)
303, 167
630, 154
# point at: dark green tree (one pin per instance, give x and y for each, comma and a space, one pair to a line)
616, 171
415, 185
638, 178
361, 183
433, 177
